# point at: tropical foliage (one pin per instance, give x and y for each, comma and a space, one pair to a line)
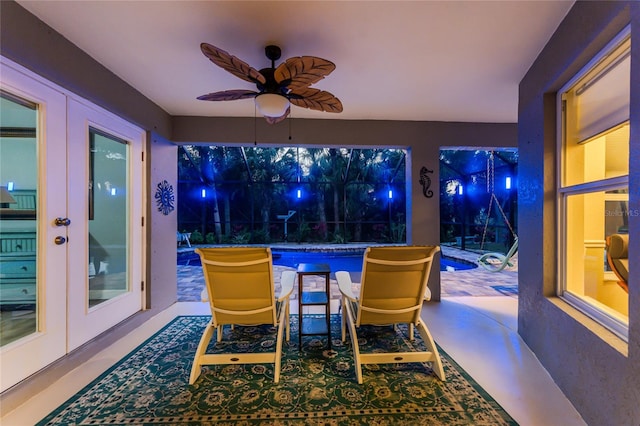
266, 194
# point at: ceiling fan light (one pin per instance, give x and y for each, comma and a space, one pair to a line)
272, 105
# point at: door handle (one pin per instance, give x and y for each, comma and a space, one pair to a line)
60, 240
62, 221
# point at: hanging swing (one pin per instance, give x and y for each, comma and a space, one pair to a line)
496, 262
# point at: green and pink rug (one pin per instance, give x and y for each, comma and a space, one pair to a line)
317, 387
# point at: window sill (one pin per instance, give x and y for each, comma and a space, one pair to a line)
612, 339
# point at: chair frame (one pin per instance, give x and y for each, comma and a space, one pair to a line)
354, 307
279, 308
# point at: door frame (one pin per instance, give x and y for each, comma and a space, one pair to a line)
85, 323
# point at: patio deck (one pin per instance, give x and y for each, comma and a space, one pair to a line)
472, 282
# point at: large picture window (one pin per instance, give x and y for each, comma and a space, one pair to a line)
262, 195
593, 187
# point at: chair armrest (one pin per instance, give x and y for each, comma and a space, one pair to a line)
427, 294
287, 280
345, 285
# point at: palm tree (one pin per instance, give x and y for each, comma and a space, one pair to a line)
316, 176
208, 173
336, 170
201, 161
360, 197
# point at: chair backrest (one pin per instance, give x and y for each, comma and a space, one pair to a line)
618, 255
240, 284
394, 281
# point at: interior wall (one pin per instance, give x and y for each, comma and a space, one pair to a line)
595, 369
422, 139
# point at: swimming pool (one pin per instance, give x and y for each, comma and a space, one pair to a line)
338, 261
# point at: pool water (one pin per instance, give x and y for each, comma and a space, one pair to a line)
338, 261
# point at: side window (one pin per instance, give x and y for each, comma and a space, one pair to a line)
593, 187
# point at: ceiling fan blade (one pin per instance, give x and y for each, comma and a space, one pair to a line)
319, 100
228, 95
230, 63
302, 71
274, 120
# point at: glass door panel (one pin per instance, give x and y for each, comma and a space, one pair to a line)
18, 228
108, 217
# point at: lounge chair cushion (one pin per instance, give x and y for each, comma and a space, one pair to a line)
619, 253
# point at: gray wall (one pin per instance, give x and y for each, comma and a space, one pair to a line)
596, 370
162, 164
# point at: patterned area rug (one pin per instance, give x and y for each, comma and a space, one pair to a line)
317, 386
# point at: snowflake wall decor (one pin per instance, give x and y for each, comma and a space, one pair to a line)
165, 197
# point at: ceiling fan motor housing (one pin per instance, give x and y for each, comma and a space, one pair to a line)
273, 52
271, 85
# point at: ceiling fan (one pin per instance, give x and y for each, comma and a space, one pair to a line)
278, 87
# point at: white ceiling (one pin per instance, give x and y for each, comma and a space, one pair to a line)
395, 60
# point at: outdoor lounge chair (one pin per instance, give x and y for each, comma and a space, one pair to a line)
393, 288
240, 290
618, 258
496, 262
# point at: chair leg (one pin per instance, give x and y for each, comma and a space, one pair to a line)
431, 346
277, 362
354, 341
202, 348
285, 306
288, 320
343, 325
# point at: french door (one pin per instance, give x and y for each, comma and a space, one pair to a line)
105, 181
71, 233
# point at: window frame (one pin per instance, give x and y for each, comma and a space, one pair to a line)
604, 315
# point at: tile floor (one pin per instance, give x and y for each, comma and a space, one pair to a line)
480, 333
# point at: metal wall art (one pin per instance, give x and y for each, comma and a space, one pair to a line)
425, 181
165, 197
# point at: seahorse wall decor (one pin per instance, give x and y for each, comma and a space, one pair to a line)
425, 181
